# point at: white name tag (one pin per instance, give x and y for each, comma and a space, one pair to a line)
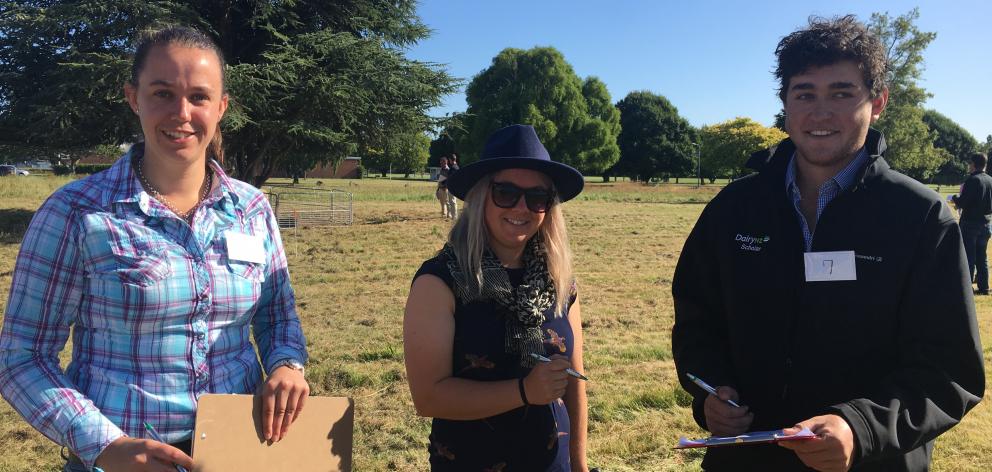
245, 247
830, 266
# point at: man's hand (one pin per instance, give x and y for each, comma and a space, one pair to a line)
128, 454
722, 419
833, 451
283, 396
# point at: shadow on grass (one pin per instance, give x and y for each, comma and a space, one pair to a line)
13, 224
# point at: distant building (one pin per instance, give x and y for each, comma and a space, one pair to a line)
347, 169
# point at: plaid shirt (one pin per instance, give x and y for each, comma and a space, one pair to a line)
827, 191
159, 313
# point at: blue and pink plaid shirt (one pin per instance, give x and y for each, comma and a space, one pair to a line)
159, 313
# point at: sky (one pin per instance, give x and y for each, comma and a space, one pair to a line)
712, 59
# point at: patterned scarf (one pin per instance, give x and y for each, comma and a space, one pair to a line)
523, 307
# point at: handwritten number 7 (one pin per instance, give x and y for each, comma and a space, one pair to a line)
830, 265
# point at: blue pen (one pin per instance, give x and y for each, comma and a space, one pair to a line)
708, 388
155, 436
569, 371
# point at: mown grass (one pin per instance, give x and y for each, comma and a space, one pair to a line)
351, 284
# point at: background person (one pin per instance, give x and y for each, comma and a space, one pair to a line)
452, 200
975, 203
499, 290
161, 266
442, 186
847, 308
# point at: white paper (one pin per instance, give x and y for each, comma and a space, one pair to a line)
245, 247
830, 266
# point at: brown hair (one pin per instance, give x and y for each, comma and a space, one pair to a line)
825, 42
979, 160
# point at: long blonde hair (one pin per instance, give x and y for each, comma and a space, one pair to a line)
469, 237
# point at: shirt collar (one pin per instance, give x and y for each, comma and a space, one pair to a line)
844, 179
126, 188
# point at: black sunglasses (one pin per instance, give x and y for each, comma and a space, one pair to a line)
506, 195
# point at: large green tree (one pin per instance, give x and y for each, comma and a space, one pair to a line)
403, 153
574, 118
727, 146
954, 139
311, 81
910, 143
654, 141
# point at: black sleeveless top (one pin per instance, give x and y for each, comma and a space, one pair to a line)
531, 438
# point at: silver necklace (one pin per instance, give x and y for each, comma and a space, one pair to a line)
204, 191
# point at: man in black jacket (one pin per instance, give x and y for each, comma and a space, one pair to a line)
828, 291
975, 203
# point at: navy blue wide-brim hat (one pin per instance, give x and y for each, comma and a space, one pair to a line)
516, 147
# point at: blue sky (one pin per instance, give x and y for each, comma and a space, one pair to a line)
712, 59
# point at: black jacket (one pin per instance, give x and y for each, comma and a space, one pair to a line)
896, 352
975, 200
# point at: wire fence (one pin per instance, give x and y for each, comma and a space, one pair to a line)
304, 206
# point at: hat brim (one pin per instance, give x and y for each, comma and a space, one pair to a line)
568, 181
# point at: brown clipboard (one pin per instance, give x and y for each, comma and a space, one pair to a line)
228, 436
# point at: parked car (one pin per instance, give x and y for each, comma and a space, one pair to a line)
7, 169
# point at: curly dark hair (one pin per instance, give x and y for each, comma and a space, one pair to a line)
829, 41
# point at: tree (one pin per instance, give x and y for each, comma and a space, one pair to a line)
408, 152
654, 141
574, 118
728, 145
440, 147
951, 137
311, 81
780, 120
910, 144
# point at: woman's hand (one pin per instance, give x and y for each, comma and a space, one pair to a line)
283, 396
128, 454
546, 382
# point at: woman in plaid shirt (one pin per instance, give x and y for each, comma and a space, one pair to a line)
163, 268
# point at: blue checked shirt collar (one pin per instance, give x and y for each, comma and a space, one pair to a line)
125, 187
844, 180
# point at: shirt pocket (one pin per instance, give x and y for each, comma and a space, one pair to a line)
251, 271
141, 262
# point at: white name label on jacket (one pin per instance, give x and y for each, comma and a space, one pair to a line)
245, 247
830, 266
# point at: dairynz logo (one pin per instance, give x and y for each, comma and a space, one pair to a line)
751, 243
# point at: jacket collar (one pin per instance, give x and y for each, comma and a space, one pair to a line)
774, 160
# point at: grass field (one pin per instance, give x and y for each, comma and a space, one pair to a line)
351, 284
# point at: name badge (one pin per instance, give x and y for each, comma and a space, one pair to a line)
245, 247
830, 266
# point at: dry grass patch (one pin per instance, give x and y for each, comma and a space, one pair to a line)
351, 284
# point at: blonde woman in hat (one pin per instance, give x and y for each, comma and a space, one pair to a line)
482, 314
